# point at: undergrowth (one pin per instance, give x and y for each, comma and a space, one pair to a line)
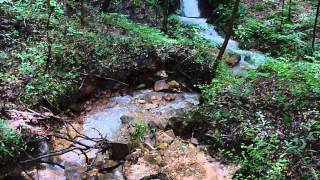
267, 119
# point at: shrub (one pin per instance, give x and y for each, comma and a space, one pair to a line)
268, 118
9, 140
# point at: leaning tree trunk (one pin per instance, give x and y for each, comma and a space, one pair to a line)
227, 38
315, 26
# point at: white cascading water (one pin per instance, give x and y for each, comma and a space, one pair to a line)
192, 15
190, 8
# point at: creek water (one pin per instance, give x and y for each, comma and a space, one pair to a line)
107, 119
192, 15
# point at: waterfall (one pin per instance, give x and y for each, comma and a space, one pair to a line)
191, 12
190, 8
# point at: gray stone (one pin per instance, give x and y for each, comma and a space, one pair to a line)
194, 141
161, 85
125, 119
157, 124
232, 59
73, 170
165, 137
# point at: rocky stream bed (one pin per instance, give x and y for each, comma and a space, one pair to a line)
142, 143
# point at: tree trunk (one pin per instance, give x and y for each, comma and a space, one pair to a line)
282, 14
165, 15
289, 11
227, 38
315, 26
82, 13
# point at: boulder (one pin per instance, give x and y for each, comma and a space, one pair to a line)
232, 59
166, 137
157, 124
126, 119
174, 85
161, 85
150, 98
169, 97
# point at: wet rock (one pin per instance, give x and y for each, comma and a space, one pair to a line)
161, 74
126, 119
151, 106
232, 59
249, 59
170, 133
169, 97
73, 170
161, 85
119, 150
149, 146
152, 125
165, 137
194, 141
111, 104
134, 156
109, 164
141, 101
163, 146
174, 85
44, 147
157, 124
150, 98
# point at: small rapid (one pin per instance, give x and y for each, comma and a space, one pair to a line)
192, 15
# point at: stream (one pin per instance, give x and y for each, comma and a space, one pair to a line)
115, 117
192, 15
110, 117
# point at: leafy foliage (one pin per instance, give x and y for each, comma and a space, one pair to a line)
9, 140
275, 112
139, 131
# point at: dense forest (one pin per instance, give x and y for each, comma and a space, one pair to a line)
159, 89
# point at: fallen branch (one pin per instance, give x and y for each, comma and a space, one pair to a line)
52, 154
